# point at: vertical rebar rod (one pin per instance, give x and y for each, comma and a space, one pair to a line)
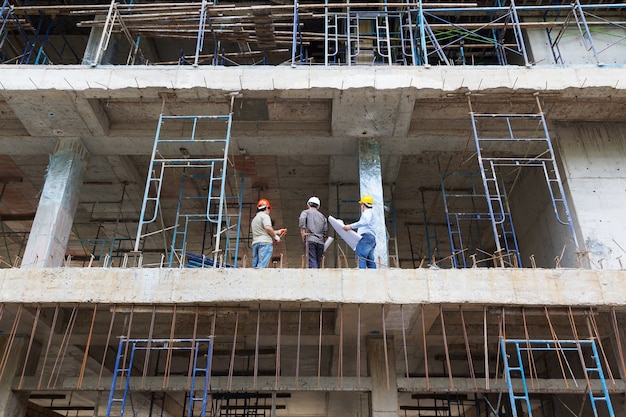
297, 384
277, 379
319, 351
579, 348
425, 349
128, 322
64, 345
358, 347
214, 338
192, 354
340, 350
596, 332
557, 347
445, 347
406, 358
9, 344
256, 348
170, 351
231, 365
468, 350
45, 358
30, 344
385, 348
79, 384
529, 351
618, 339
501, 335
486, 348
104, 354
149, 344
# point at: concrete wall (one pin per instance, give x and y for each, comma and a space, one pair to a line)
539, 233
572, 48
593, 157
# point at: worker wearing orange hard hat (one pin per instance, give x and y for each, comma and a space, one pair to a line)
263, 235
365, 227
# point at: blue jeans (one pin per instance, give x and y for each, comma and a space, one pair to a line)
261, 254
365, 251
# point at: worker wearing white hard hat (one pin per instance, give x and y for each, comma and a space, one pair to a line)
314, 231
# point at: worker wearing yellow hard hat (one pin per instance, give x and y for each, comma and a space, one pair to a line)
365, 227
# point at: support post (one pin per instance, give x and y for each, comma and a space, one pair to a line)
55, 214
14, 403
383, 377
371, 182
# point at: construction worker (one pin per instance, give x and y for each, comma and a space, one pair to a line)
314, 231
263, 235
365, 227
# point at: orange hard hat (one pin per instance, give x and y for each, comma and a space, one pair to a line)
263, 203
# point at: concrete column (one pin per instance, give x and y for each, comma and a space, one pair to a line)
93, 55
13, 404
55, 214
371, 182
384, 390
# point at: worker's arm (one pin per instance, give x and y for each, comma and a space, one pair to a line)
275, 234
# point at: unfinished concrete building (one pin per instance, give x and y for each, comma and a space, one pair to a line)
136, 138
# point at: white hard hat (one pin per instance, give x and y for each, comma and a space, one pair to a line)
314, 200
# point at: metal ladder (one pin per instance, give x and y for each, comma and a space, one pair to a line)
543, 158
124, 364
469, 188
514, 365
191, 147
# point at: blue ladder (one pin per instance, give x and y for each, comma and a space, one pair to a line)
123, 367
558, 346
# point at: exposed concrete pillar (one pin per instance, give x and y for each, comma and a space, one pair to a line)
13, 404
100, 50
371, 182
383, 377
55, 214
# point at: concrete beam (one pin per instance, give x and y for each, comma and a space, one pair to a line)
311, 82
364, 384
93, 114
476, 286
56, 115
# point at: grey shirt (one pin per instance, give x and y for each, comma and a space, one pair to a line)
315, 224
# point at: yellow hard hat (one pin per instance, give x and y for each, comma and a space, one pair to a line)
367, 200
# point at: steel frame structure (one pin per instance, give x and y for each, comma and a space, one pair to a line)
127, 354
204, 151
520, 363
402, 33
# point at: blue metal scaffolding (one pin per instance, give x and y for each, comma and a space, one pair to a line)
207, 195
200, 352
467, 212
328, 33
527, 142
518, 364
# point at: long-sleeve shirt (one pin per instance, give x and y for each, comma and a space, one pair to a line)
315, 224
365, 223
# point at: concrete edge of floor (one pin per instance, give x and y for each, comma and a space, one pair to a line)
488, 286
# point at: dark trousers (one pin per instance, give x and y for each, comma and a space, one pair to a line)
316, 250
